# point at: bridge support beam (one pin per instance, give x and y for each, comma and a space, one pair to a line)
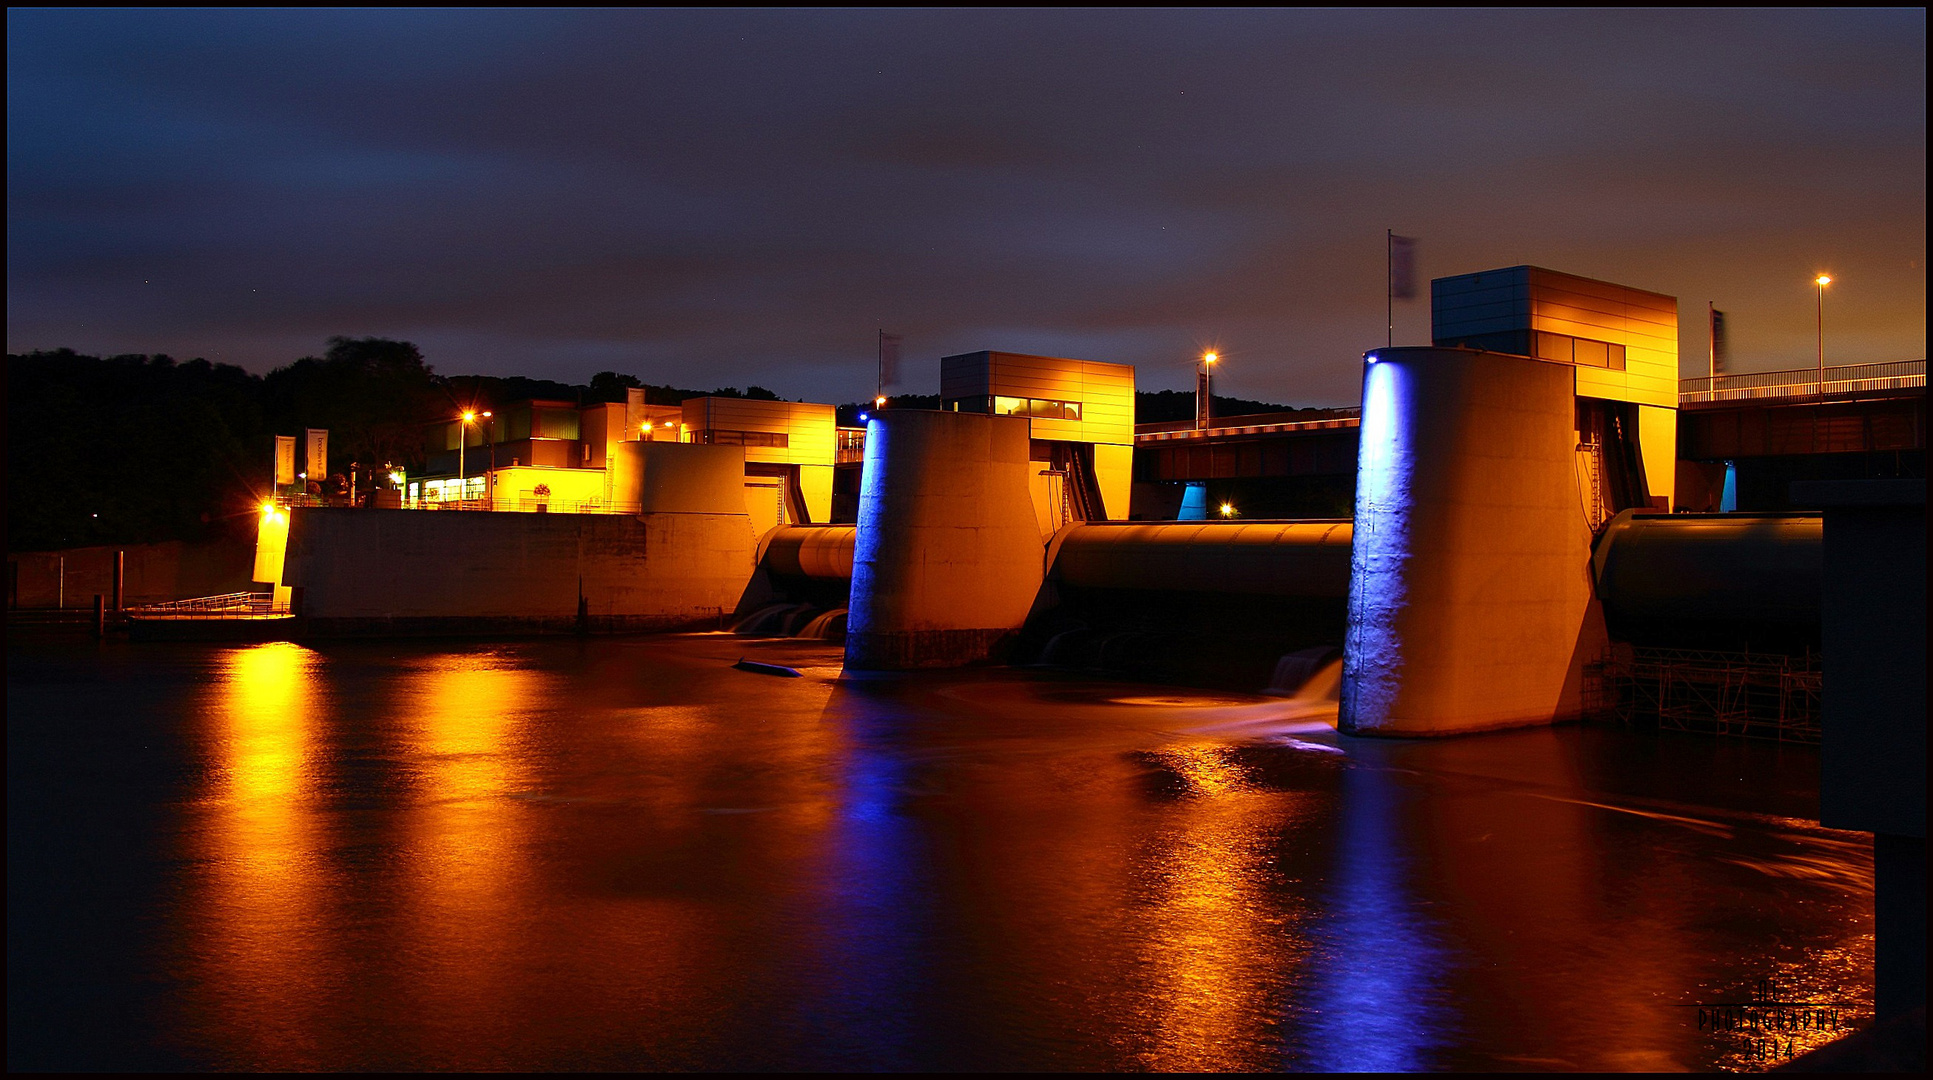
947, 555
1470, 600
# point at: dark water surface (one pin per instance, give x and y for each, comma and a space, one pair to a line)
621, 853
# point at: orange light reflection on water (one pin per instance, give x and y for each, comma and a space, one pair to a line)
465, 834
1218, 947
252, 948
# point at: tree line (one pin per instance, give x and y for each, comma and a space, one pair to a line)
141, 448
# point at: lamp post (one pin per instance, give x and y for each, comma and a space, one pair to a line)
1822, 281
490, 487
1204, 390
462, 441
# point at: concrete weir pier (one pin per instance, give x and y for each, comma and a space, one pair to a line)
1470, 598
947, 554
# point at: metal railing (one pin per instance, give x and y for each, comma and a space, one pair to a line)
1804, 382
509, 504
236, 605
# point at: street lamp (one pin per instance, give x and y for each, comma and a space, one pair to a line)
462, 442
1204, 390
1822, 281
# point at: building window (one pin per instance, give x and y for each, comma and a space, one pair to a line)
1038, 407
851, 446
723, 437
1583, 352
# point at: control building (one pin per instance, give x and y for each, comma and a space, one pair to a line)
1623, 346
1081, 423
560, 457
789, 452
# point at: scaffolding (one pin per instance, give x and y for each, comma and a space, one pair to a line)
1752, 695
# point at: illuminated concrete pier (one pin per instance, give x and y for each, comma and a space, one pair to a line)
947, 551
1470, 601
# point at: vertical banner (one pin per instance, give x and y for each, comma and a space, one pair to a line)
284, 459
888, 359
1402, 267
1720, 349
318, 453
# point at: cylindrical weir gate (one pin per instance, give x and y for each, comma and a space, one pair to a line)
1259, 558
809, 552
1213, 603
1729, 581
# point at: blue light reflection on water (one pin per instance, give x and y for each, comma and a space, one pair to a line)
1370, 995
870, 928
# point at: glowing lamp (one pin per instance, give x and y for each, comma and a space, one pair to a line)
863, 417
268, 508
1228, 509
879, 402
1209, 358
469, 416
1822, 280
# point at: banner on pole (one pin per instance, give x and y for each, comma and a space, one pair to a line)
888, 359
1720, 349
318, 453
1402, 266
284, 459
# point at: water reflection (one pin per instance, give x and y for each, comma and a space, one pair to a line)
264, 874
1371, 1006
1218, 936
465, 869
625, 854
868, 877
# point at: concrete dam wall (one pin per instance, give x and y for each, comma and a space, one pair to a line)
414, 572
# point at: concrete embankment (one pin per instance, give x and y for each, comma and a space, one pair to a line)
153, 573
412, 572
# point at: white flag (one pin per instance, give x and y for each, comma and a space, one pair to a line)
285, 459
318, 453
1402, 266
888, 359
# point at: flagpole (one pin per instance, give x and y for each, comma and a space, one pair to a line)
879, 365
1711, 338
1389, 284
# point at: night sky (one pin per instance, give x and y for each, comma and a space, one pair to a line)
704, 198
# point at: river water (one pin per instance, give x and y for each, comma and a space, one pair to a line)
624, 853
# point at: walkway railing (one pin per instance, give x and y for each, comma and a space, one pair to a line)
509, 504
1804, 382
236, 605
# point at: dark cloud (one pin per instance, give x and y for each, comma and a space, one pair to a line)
745, 196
